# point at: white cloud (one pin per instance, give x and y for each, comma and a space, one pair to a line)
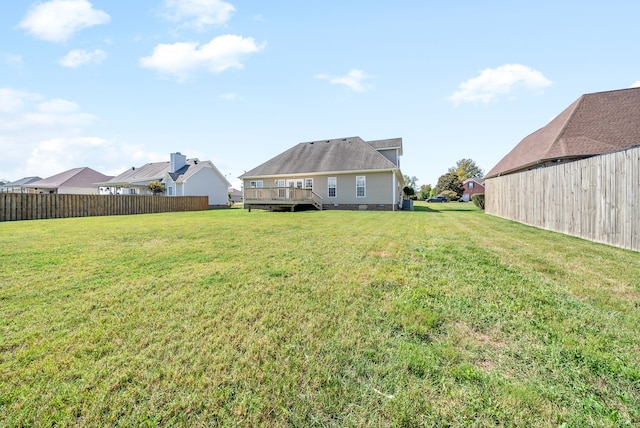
230, 96
55, 155
199, 14
78, 57
12, 60
502, 80
183, 59
41, 136
58, 20
635, 84
355, 80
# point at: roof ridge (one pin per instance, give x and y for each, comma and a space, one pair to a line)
560, 133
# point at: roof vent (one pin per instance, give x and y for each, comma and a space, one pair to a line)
133, 168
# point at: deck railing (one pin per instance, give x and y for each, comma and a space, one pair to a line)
282, 195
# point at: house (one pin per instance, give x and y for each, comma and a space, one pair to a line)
181, 177
343, 173
577, 175
472, 186
77, 181
594, 124
18, 186
235, 195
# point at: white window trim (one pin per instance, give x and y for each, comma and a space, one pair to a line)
305, 183
364, 186
256, 184
335, 182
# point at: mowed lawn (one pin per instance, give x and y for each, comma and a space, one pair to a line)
443, 316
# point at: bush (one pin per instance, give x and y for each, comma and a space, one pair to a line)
409, 192
156, 187
478, 199
449, 194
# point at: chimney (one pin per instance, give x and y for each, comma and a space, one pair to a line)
178, 160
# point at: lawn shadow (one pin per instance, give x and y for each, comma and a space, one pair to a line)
424, 208
439, 208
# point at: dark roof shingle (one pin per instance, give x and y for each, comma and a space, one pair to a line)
76, 177
594, 124
337, 155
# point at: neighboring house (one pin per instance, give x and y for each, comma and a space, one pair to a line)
577, 175
18, 186
181, 177
594, 124
77, 181
343, 173
235, 195
472, 186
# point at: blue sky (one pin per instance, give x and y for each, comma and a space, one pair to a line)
111, 84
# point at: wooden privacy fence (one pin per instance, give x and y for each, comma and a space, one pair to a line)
596, 198
24, 206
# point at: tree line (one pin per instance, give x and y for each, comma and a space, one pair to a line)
450, 184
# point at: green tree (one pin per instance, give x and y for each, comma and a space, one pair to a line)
425, 191
156, 187
467, 168
450, 181
410, 183
409, 191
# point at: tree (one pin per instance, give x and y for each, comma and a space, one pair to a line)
410, 181
450, 181
409, 191
425, 191
467, 168
156, 187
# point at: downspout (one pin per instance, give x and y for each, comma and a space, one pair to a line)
393, 191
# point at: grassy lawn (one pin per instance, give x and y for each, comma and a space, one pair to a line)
442, 316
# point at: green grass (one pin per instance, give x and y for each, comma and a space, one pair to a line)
443, 316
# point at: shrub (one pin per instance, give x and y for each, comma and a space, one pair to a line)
409, 191
450, 195
156, 187
478, 199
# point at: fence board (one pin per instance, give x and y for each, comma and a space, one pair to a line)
25, 206
596, 198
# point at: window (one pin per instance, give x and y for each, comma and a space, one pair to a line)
333, 187
470, 185
308, 183
282, 192
170, 190
255, 184
361, 185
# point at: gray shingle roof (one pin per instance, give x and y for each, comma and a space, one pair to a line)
337, 155
144, 174
157, 170
22, 181
594, 124
188, 170
76, 177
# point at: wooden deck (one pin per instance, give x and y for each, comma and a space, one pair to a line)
280, 198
